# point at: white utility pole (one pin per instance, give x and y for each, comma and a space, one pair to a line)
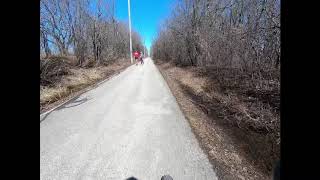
130, 31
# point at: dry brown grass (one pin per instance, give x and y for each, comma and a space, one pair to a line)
76, 80
48, 95
240, 134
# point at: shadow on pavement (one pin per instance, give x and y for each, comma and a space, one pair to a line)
131, 178
71, 104
74, 103
165, 177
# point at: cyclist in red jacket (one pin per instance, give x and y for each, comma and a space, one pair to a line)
137, 55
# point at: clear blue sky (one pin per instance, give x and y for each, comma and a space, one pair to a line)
146, 16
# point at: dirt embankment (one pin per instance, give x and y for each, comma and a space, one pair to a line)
61, 80
237, 125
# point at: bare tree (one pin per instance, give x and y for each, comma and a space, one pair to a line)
74, 29
44, 43
224, 33
55, 23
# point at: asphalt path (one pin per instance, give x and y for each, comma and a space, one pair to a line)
129, 126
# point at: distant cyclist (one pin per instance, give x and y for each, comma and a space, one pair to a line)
137, 55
